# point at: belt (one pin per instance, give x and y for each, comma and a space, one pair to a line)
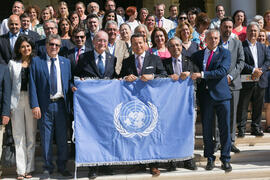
56, 99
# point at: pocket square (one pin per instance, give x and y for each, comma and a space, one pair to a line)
149, 67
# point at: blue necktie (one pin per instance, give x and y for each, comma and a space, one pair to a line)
101, 65
53, 77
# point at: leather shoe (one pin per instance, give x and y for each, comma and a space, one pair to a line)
155, 172
217, 147
46, 175
234, 149
226, 166
241, 133
190, 164
65, 173
172, 166
210, 165
256, 132
92, 175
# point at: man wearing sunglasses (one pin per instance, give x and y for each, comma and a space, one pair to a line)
50, 84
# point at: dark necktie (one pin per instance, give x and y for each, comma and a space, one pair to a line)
209, 60
101, 65
53, 77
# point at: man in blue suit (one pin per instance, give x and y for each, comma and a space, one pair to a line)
214, 96
50, 82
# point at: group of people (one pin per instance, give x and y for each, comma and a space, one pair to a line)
42, 52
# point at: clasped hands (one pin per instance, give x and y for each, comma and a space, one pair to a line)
256, 73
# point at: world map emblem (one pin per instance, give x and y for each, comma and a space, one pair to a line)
135, 118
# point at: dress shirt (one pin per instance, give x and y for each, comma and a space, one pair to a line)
162, 21
207, 53
25, 31
142, 59
215, 23
253, 49
82, 51
12, 39
178, 66
59, 93
103, 57
111, 48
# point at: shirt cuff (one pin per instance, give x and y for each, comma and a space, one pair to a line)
230, 77
253, 70
202, 73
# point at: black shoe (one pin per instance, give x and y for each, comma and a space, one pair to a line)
92, 175
172, 166
45, 175
234, 149
190, 164
241, 133
217, 147
210, 165
256, 132
65, 173
226, 166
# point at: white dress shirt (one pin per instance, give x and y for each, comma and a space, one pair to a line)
111, 48
207, 53
103, 58
253, 49
13, 38
59, 93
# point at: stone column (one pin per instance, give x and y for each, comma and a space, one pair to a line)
249, 6
262, 6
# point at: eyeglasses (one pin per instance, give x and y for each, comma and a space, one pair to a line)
182, 18
77, 37
53, 44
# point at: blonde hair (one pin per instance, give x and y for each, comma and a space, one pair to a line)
180, 28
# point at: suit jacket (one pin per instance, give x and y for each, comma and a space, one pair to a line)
151, 65
215, 79
5, 50
88, 41
263, 62
121, 53
71, 57
187, 65
237, 62
34, 36
5, 89
39, 82
86, 66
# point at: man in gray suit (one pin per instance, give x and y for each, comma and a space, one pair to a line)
234, 80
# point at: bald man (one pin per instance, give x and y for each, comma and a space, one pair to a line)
7, 41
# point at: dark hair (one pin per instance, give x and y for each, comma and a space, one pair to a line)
194, 10
91, 16
202, 19
18, 44
24, 15
36, 8
171, 6
136, 35
104, 21
226, 19
181, 13
245, 17
154, 33
59, 26
77, 30
219, 5
74, 12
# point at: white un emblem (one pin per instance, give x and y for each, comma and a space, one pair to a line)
135, 118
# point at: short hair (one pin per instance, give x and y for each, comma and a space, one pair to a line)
18, 44
108, 1
146, 30
159, 4
80, 2
95, 36
88, 5
245, 17
173, 38
257, 18
109, 23
91, 16
143, 9
24, 15
154, 33
50, 21
180, 27
253, 23
136, 35
36, 8
125, 24
210, 31
77, 30
172, 6
226, 19
20, 3
131, 10
53, 36
202, 19
181, 13
194, 10
219, 5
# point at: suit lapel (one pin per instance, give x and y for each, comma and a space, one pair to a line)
215, 56
145, 62
92, 63
45, 68
133, 65
62, 70
184, 64
259, 53
170, 65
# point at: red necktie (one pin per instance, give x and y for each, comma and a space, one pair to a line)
160, 23
78, 54
209, 60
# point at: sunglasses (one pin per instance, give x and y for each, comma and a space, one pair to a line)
53, 44
182, 18
77, 37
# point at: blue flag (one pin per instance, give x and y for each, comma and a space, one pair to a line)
118, 122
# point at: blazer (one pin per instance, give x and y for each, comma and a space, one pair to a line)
86, 66
151, 65
263, 62
215, 79
39, 82
187, 65
88, 41
121, 53
71, 57
237, 62
34, 36
5, 50
5, 89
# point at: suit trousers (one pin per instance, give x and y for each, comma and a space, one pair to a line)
233, 104
54, 119
255, 94
2, 130
24, 128
208, 108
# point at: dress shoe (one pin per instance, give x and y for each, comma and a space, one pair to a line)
190, 164
172, 166
210, 165
226, 166
155, 172
65, 173
256, 132
217, 147
234, 149
241, 133
45, 175
92, 175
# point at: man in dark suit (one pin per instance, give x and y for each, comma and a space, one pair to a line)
25, 22
144, 65
49, 88
237, 64
97, 63
257, 62
214, 96
92, 22
5, 91
7, 41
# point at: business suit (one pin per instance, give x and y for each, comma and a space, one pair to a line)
53, 112
33, 35
23, 124
253, 91
151, 65
237, 64
88, 41
6, 52
86, 66
214, 96
187, 65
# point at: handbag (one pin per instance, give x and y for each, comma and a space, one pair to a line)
8, 158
